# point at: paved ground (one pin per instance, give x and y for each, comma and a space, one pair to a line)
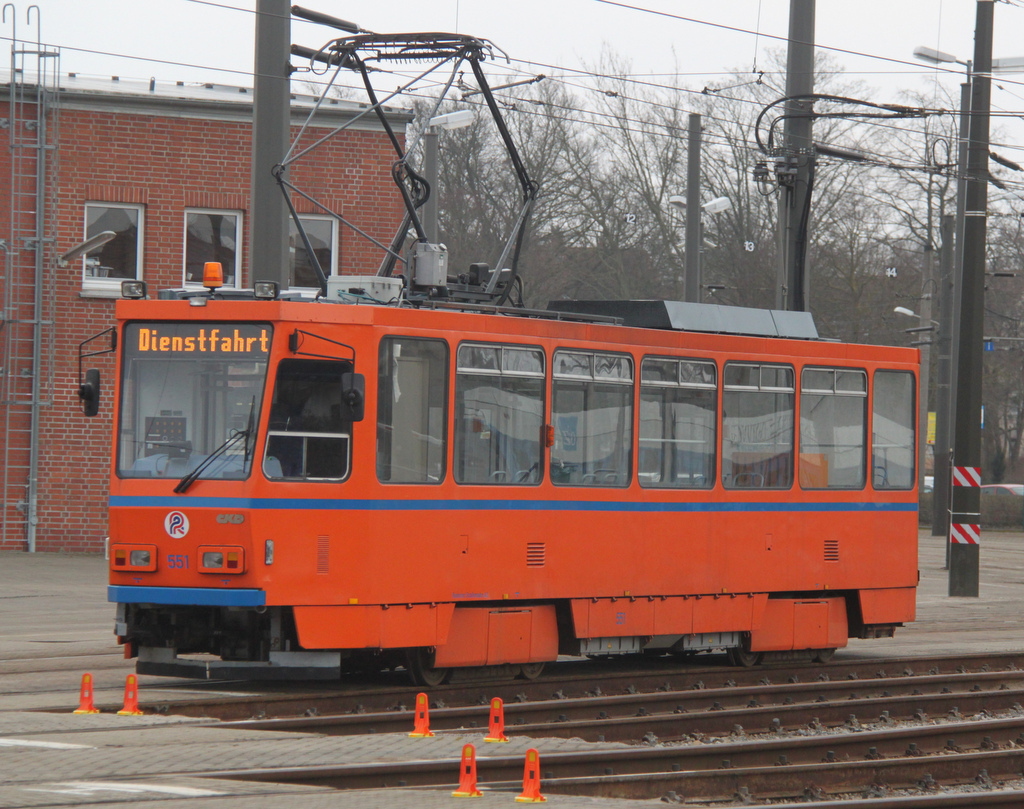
55, 623
994, 621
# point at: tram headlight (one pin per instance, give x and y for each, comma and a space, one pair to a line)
221, 559
265, 290
134, 290
129, 556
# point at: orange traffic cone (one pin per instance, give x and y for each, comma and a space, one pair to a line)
531, 779
85, 703
131, 697
496, 726
467, 775
421, 722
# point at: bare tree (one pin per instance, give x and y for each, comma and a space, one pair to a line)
607, 160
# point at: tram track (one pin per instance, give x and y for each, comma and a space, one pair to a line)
782, 733
738, 742
563, 681
818, 763
678, 714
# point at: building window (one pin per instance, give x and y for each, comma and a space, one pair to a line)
212, 236
757, 426
499, 414
592, 411
892, 430
412, 410
833, 427
322, 232
120, 258
678, 409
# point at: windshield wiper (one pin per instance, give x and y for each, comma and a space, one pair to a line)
250, 428
193, 476
250, 431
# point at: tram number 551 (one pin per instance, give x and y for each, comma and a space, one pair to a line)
177, 560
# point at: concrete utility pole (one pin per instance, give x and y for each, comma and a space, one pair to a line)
943, 387
963, 144
692, 275
794, 202
268, 220
964, 554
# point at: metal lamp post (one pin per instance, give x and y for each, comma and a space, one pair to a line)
450, 120
965, 519
972, 204
695, 240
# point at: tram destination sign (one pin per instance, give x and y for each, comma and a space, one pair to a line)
202, 339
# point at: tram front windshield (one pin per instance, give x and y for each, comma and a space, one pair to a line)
191, 394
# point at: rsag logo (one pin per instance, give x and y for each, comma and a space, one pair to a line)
176, 524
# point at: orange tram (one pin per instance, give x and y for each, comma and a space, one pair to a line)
302, 487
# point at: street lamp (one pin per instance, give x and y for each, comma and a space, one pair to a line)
450, 120
713, 206
85, 247
964, 557
969, 285
716, 205
950, 298
1012, 64
926, 54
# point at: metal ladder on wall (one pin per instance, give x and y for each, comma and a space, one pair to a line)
27, 278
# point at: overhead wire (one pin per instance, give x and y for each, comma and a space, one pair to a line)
523, 67
615, 121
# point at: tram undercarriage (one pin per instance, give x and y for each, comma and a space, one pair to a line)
498, 641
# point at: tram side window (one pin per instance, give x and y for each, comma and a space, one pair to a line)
892, 428
411, 410
308, 437
833, 434
678, 409
592, 410
499, 414
757, 426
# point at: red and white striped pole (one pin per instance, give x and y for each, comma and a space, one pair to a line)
965, 533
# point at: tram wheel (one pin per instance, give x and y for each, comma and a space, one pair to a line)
420, 665
743, 658
531, 671
824, 655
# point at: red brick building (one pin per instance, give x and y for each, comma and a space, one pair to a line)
167, 168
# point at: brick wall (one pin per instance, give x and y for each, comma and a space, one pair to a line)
166, 162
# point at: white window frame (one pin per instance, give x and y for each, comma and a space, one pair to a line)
328, 271
93, 286
234, 272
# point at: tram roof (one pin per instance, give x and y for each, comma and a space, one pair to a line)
700, 317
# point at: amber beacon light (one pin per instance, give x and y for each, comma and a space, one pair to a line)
213, 275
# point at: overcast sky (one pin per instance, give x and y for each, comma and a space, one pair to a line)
201, 40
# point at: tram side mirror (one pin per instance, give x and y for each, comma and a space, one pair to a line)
353, 396
89, 392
